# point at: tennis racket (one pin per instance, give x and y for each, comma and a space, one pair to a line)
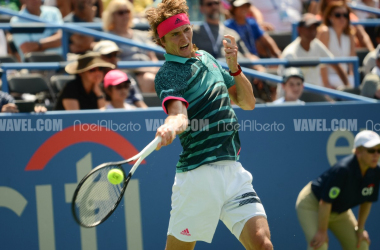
95, 198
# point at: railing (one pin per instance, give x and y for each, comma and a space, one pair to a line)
86, 29
247, 71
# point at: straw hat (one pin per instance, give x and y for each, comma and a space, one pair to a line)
86, 62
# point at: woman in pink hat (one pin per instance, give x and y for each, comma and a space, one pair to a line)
116, 85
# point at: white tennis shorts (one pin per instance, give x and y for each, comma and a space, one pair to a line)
212, 192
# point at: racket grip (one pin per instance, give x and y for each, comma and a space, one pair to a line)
151, 147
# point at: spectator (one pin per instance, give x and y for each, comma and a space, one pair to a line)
7, 103
249, 30
306, 46
110, 52
49, 40
365, 3
361, 37
292, 84
336, 35
371, 82
116, 85
140, 6
117, 19
370, 60
84, 11
277, 14
209, 36
84, 92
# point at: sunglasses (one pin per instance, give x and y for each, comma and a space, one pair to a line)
209, 4
339, 15
122, 12
96, 69
373, 150
123, 85
112, 55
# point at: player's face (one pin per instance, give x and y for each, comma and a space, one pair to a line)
369, 156
293, 88
178, 42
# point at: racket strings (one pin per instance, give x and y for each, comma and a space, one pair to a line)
97, 197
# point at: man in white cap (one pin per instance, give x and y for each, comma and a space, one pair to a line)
326, 202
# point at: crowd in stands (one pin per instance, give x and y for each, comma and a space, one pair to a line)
325, 30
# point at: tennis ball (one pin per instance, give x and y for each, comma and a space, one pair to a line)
115, 176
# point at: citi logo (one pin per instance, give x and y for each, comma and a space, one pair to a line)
367, 191
177, 21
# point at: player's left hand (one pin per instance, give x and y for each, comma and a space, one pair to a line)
362, 235
231, 50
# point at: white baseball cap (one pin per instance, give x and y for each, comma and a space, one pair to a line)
367, 139
106, 47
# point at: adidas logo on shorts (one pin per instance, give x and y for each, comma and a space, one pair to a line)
186, 232
178, 21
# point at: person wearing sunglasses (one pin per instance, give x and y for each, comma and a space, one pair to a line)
84, 91
118, 20
337, 36
116, 86
326, 202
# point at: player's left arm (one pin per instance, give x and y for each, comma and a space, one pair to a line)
361, 233
241, 93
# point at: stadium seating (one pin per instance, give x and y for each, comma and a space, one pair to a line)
43, 57
282, 39
31, 84
7, 59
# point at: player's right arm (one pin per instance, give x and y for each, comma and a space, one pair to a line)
175, 123
321, 237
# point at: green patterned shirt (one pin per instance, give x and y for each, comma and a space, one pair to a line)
202, 84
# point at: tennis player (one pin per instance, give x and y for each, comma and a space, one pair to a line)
209, 184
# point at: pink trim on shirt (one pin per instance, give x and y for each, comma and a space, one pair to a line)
239, 151
173, 98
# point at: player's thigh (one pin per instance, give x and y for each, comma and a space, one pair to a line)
172, 243
196, 204
255, 234
343, 227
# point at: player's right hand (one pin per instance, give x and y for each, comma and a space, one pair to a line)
319, 239
167, 134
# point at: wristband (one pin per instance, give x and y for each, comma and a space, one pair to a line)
237, 72
100, 97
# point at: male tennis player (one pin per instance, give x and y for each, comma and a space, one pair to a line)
210, 184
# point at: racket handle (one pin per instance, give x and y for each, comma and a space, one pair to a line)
150, 147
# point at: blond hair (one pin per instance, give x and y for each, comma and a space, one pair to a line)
164, 10
112, 7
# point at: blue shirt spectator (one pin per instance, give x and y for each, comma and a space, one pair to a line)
249, 32
49, 40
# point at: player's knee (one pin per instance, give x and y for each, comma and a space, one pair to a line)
261, 241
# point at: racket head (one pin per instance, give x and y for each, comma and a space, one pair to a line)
95, 198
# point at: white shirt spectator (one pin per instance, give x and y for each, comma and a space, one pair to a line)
281, 100
280, 13
317, 50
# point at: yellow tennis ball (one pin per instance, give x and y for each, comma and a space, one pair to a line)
115, 176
